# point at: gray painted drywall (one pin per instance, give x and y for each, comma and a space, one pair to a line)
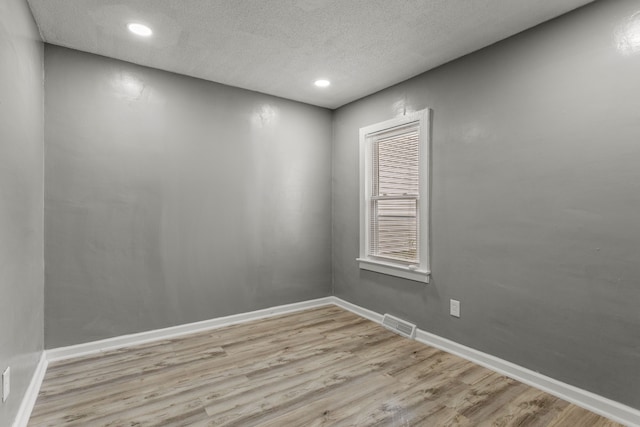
535, 204
170, 199
21, 196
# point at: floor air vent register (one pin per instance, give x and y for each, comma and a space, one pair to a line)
399, 326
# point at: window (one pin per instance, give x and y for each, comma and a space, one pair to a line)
394, 197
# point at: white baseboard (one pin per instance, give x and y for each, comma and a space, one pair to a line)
595, 403
31, 395
361, 311
93, 347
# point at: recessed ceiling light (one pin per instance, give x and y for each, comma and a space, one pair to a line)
322, 83
139, 29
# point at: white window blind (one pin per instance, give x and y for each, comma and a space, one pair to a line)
394, 220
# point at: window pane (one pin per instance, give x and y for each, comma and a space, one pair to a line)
396, 164
395, 229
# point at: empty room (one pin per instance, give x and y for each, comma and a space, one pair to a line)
319, 213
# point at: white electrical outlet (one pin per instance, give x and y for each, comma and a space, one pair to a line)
6, 384
454, 308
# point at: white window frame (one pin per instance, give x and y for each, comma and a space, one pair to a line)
421, 271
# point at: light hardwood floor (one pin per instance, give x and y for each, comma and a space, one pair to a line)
324, 366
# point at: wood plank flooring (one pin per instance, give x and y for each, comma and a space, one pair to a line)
319, 367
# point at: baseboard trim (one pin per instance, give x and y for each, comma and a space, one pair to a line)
31, 395
85, 349
361, 311
611, 409
595, 403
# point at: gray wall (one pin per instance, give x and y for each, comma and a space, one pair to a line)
171, 200
21, 195
536, 201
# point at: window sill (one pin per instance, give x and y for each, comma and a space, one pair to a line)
394, 270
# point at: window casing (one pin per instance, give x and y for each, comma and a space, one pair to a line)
394, 197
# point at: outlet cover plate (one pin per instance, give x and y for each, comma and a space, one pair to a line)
454, 308
6, 385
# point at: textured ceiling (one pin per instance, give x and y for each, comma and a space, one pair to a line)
280, 47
